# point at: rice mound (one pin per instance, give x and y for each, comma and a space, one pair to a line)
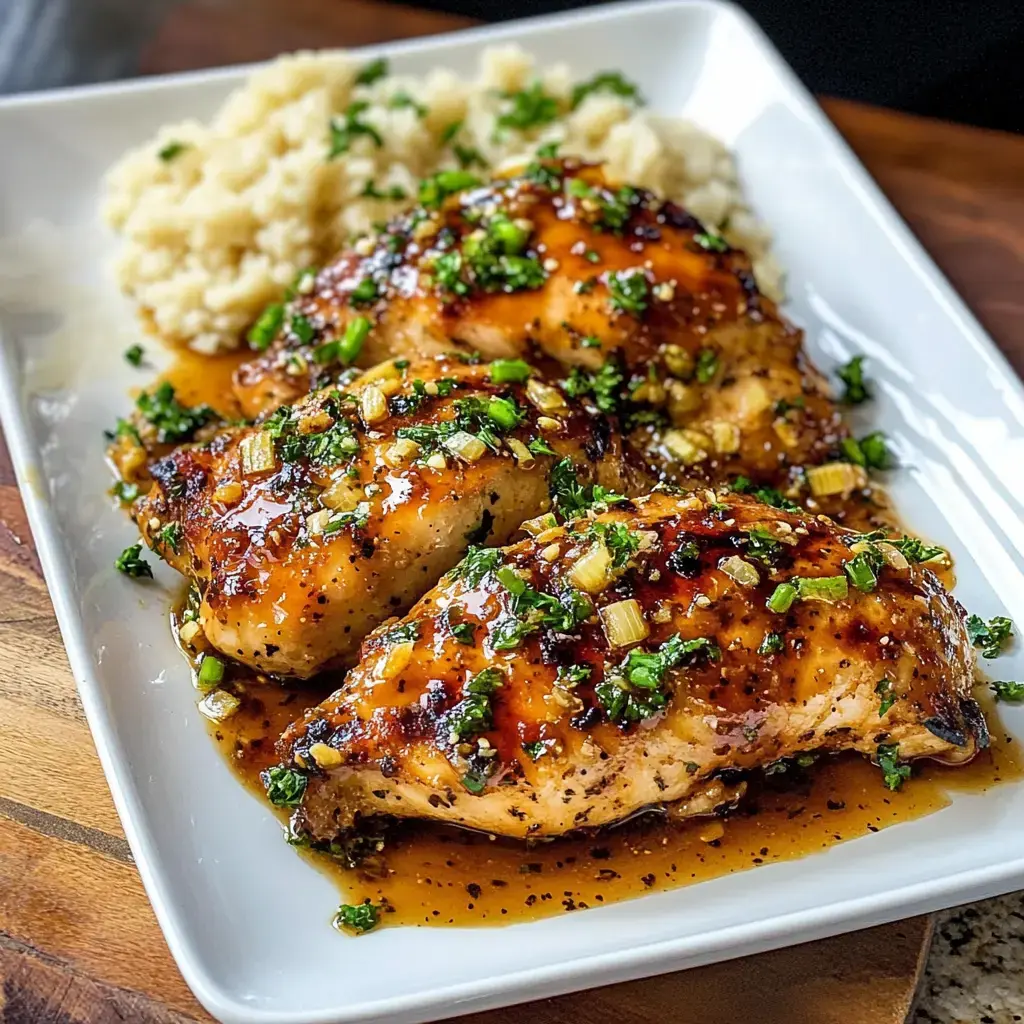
214, 232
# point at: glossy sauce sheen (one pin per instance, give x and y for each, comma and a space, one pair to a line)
440, 875
436, 874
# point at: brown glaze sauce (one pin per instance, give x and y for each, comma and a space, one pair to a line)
441, 875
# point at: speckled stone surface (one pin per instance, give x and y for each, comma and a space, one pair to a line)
975, 972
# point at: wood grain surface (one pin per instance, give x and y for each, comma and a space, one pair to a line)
78, 940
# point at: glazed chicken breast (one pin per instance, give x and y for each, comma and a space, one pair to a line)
304, 532
648, 655
642, 307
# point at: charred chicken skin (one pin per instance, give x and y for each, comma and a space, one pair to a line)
630, 297
645, 655
304, 532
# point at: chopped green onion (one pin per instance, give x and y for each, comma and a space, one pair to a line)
263, 332
509, 371
822, 588
870, 451
434, 190
861, 573
211, 672
852, 375
133, 355
351, 342
504, 412
364, 293
782, 598
710, 241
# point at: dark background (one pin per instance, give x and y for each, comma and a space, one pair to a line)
962, 61
954, 59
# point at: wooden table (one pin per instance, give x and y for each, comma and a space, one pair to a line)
78, 941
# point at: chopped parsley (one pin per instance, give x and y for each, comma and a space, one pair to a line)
285, 786
535, 750
607, 81
989, 637
393, 192
469, 156
473, 714
622, 542
612, 209
131, 563
870, 451
893, 773
605, 385
495, 258
372, 72
885, 691
915, 550
133, 355
407, 633
125, 491
707, 365
347, 127
265, 329
570, 676
852, 375
571, 498
357, 518
171, 149
475, 565
486, 419
173, 421
402, 99
359, 918
634, 691
630, 291
711, 242
463, 632
530, 610
773, 643
529, 108
436, 189
169, 536
450, 131
762, 547
1007, 691
685, 560
540, 447
770, 496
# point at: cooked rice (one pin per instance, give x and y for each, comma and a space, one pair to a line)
221, 225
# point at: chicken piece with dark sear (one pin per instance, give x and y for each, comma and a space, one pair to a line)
645, 656
642, 308
306, 531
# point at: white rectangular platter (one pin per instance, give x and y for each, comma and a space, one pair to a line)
246, 919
